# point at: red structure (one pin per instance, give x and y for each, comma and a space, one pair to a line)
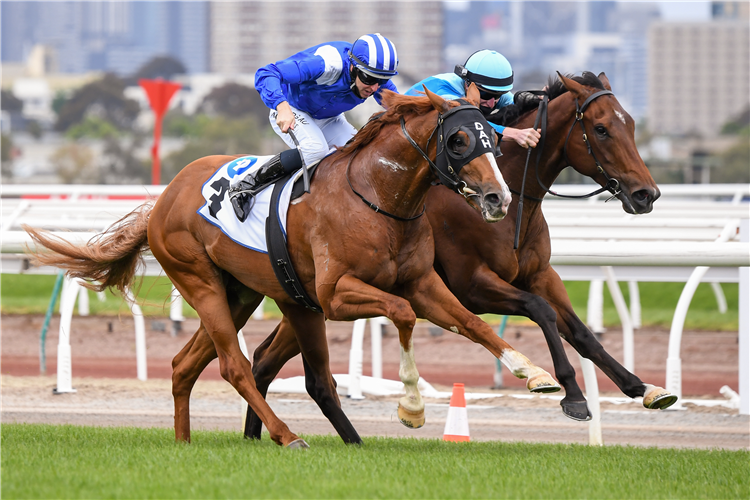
159, 94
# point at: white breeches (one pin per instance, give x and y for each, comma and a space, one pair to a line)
316, 137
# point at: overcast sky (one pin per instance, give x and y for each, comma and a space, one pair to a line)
685, 11
671, 10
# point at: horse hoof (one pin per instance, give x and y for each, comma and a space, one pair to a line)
542, 384
411, 419
298, 444
576, 410
659, 399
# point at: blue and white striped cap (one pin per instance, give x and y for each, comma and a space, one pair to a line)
375, 55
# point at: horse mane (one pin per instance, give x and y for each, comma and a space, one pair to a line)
509, 115
397, 106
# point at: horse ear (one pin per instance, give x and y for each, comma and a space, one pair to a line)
438, 102
605, 81
472, 93
572, 86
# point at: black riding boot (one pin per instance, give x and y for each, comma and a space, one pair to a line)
243, 194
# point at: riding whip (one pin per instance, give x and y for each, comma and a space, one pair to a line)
305, 173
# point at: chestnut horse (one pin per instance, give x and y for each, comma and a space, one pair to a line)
479, 263
352, 260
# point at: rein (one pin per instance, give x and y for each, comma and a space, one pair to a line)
612, 185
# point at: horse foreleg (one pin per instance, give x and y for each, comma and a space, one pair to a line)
352, 299
432, 300
489, 293
269, 357
310, 330
584, 342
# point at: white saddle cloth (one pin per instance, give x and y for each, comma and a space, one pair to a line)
218, 208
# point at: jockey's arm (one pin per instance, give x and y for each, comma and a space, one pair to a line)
270, 78
527, 137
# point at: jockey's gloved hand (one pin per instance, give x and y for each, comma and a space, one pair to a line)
526, 100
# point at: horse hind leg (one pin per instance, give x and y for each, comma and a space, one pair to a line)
199, 352
186, 368
269, 357
202, 287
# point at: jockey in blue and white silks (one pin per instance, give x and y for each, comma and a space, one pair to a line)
491, 72
309, 93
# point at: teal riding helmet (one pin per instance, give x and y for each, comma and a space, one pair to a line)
489, 70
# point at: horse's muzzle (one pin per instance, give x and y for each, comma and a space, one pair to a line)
641, 201
494, 205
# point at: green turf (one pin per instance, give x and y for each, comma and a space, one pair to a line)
30, 294
42, 461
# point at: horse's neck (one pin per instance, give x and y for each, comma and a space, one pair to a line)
560, 116
395, 172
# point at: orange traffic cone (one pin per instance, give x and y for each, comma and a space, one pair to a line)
457, 423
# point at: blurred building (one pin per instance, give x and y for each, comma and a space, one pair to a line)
117, 36
699, 75
250, 34
731, 10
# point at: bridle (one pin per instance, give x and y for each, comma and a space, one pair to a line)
612, 185
443, 168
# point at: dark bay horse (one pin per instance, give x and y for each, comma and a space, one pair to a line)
484, 271
352, 259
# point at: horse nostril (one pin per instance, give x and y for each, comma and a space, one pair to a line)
642, 197
492, 200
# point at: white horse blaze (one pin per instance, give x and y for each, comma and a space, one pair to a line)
410, 377
620, 116
499, 177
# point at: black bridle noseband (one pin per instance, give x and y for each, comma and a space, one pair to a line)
442, 167
612, 185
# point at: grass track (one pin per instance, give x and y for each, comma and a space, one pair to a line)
43, 461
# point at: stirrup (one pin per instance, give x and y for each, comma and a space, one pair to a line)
242, 202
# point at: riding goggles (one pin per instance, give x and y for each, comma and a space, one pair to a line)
487, 95
369, 79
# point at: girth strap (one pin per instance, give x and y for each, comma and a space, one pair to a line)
279, 254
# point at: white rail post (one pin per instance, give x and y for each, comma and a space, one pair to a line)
175, 311
83, 301
721, 300
744, 327
595, 307
355, 360
674, 363
376, 331
140, 337
258, 313
64, 362
592, 399
635, 303
622, 311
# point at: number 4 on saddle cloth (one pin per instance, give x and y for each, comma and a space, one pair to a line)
218, 209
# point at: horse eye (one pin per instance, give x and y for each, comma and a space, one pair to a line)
600, 130
457, 144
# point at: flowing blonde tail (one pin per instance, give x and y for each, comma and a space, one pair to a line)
108, 260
